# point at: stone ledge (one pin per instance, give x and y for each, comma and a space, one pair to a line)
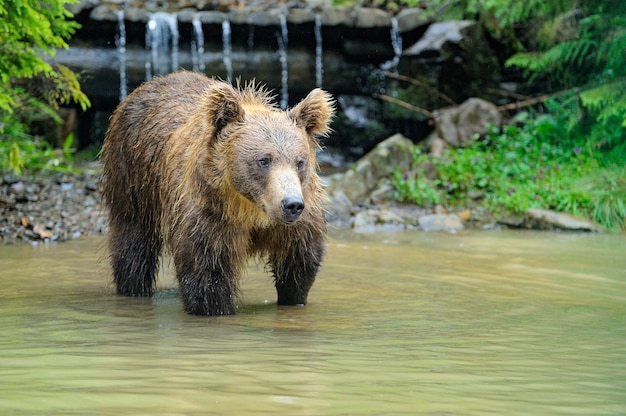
256, 14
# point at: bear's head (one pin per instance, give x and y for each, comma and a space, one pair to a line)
269, 155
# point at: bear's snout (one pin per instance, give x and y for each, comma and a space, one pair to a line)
292, 207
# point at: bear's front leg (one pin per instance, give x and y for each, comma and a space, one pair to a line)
206, 292
295, 265
207, 273
134, 250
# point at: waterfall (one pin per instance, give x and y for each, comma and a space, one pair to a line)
251, 38
283, 39
319, 64
396, 44
197, 45
227, 50
120, 43
162, 43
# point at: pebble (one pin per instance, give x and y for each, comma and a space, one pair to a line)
56, 207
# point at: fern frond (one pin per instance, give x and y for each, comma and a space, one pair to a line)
610, 94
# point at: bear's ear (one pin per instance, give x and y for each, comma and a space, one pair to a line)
223, 106
314, 112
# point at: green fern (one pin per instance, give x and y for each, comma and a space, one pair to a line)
578, 46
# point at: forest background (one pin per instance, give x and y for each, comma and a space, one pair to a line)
566, 153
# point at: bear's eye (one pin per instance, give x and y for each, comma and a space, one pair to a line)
300, 164
264, 162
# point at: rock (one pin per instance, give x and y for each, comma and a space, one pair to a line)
335, 16
300, 16
543, 219
103, 13
134, 14
379, 218
374, 169
436, 145
261, 18
367, 18
437, 35
458, 125
340, 209
441, 222
211, 17
81, 5
409, 19
50, 208
457, 57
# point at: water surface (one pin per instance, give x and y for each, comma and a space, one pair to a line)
476, 323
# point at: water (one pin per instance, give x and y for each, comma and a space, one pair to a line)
283, 40
197, 45
227, 50
120, 43
319, 63
396, 44
162, 42
476, 323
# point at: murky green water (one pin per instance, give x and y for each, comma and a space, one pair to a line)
411, 323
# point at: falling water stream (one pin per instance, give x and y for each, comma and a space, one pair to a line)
162, 42
319, 62
228, 60
396, 44
476, 323
283, 40
120, 43
197, 45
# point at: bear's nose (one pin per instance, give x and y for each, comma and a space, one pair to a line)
292, 207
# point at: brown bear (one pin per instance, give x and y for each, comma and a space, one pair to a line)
215, 174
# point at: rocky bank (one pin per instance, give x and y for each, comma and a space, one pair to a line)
50, 208
61, 207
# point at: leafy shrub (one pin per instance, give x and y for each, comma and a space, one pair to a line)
528, 165
31, 90
570, 48
21, 152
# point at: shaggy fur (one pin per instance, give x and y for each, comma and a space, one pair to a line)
216, 174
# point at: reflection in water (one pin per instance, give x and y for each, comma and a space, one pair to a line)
406, 323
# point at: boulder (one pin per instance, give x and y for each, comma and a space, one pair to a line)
440, 222
379, 218
544, 219
270, 17
300, 16
103, 13
374, 170
136, 14
409, 19
437, 35
458, 125
335, 16
211, 17
340, 209
458, 58
367, 17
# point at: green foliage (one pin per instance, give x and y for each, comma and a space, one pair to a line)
501, 13
21, 152
570, 45
31, 90
516, 168
28, 28
414, 185
594, 64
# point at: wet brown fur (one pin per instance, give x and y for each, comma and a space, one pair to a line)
178, 171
